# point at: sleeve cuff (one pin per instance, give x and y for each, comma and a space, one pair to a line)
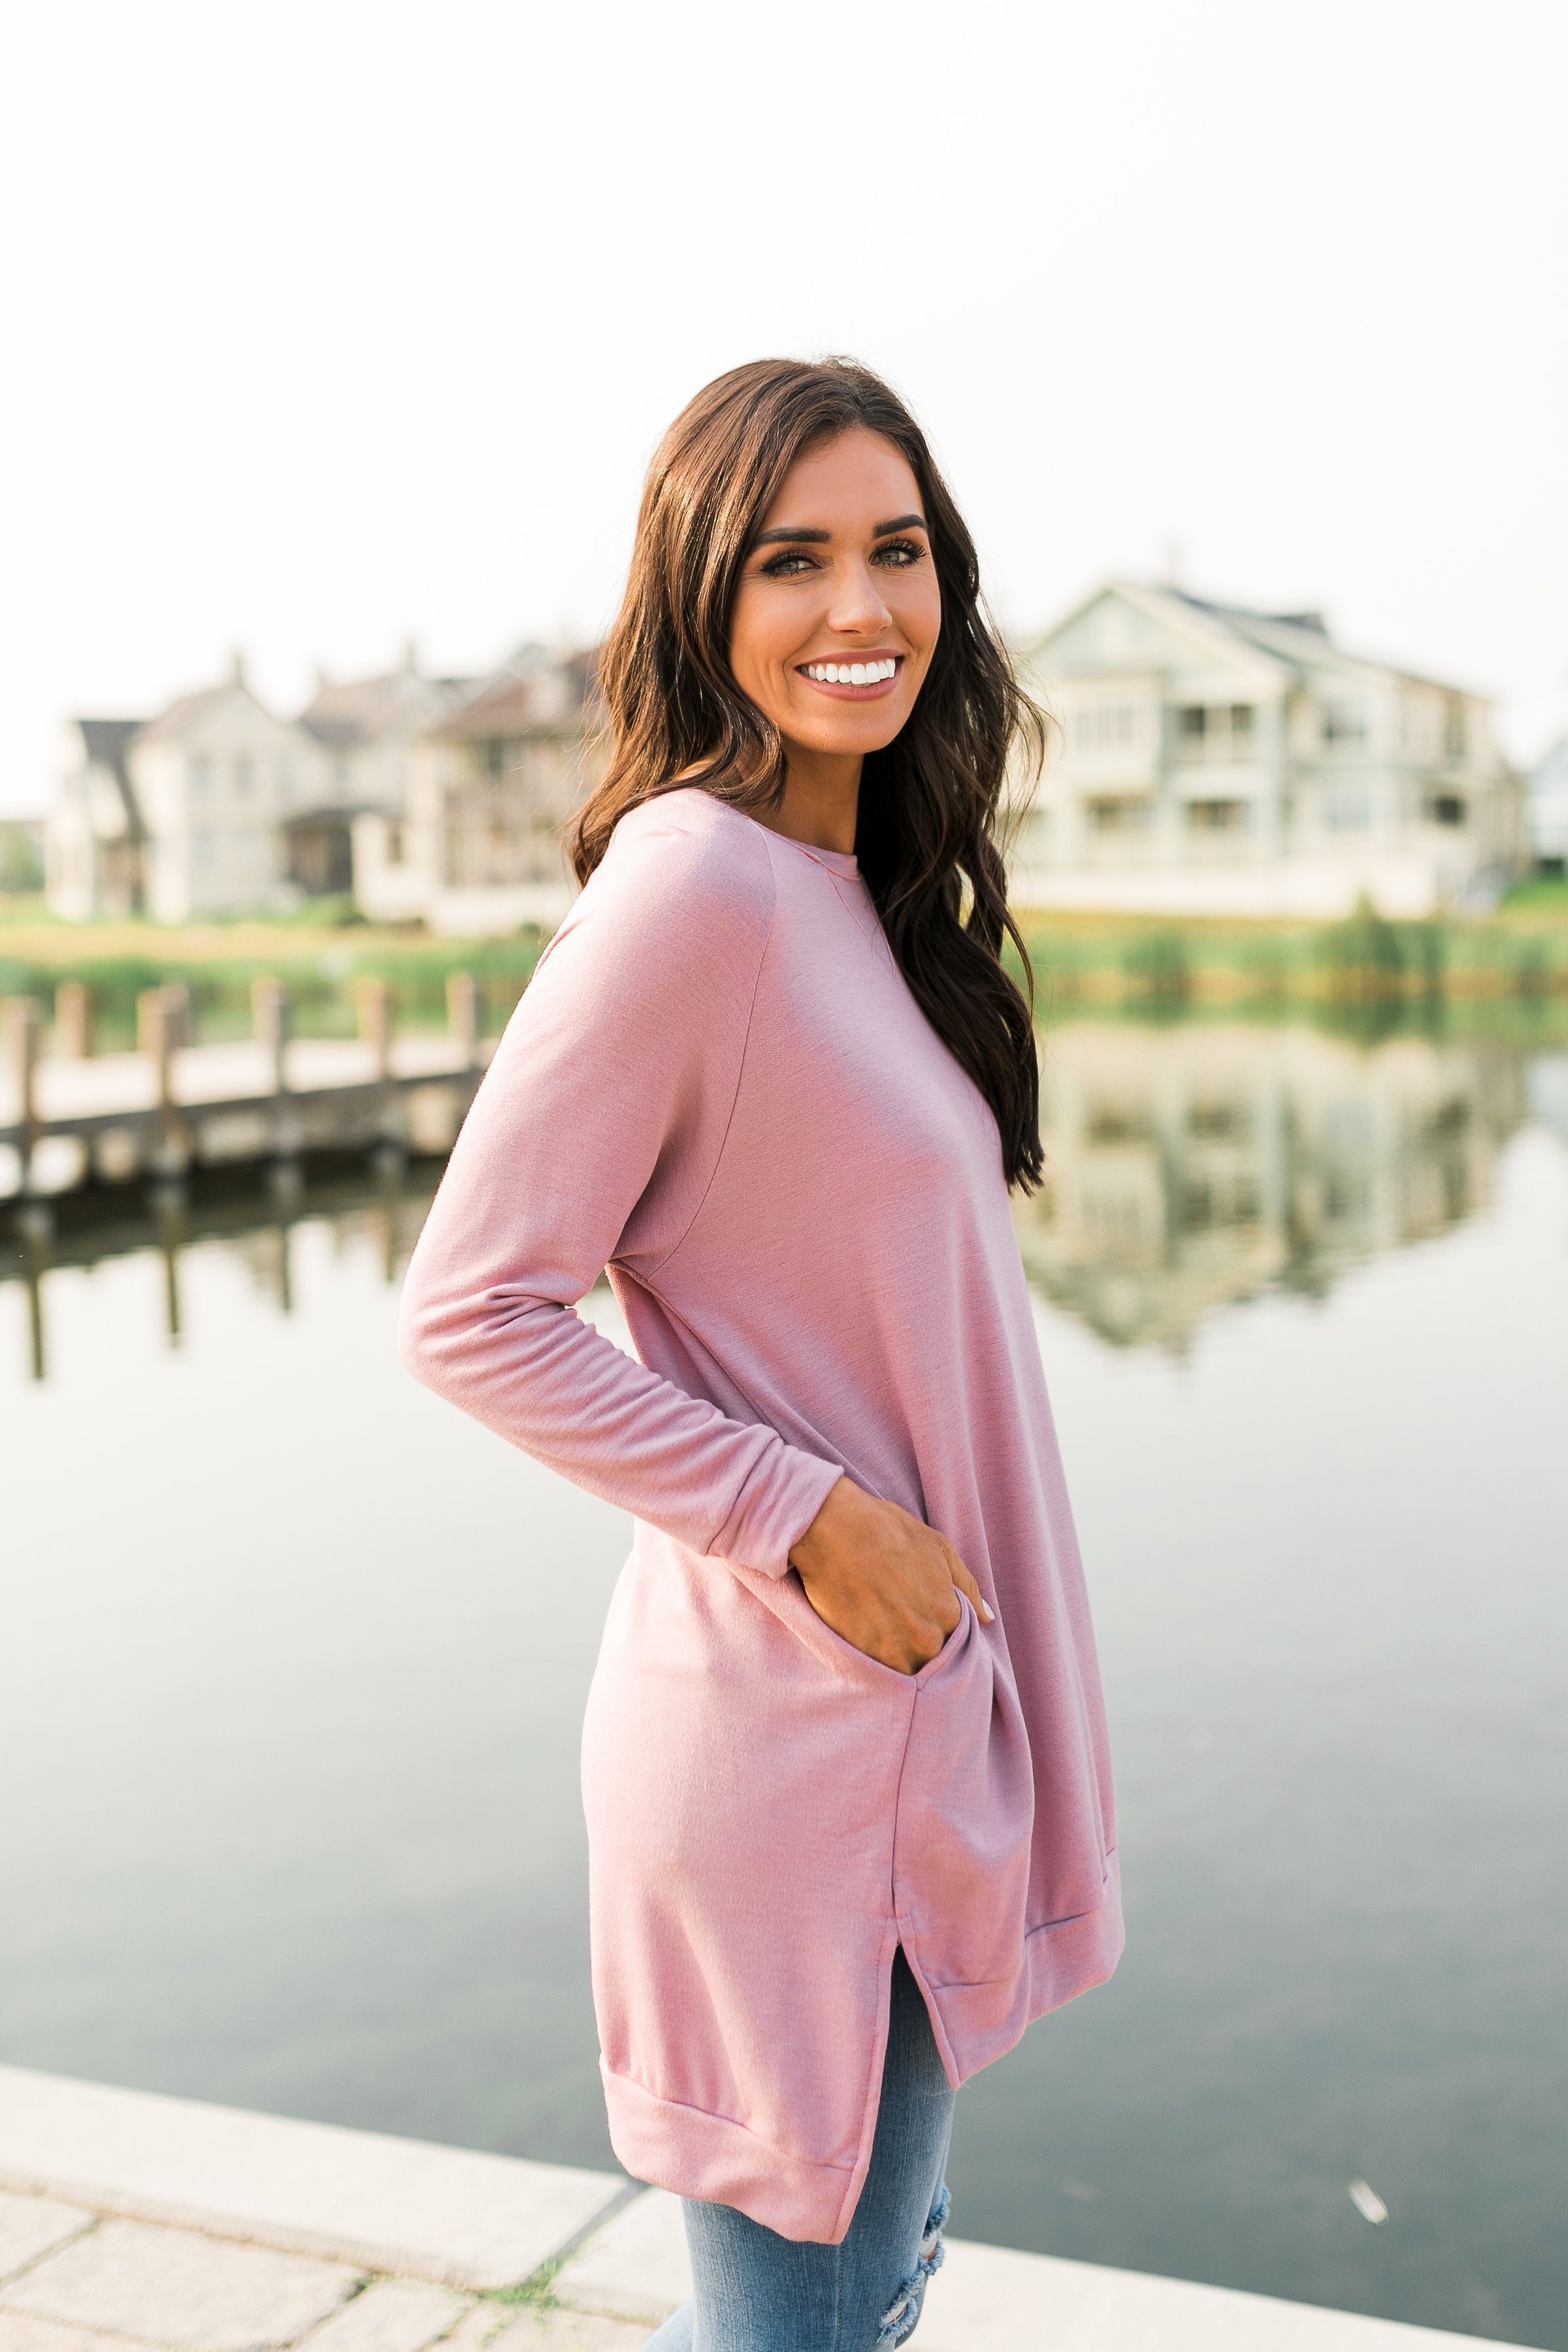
773, 1509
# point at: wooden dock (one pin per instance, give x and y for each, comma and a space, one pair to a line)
71, 1119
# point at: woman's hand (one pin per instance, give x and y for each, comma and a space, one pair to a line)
887, 1583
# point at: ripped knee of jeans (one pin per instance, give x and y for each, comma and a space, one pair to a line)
902, 2315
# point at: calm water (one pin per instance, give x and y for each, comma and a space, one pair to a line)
294, 1658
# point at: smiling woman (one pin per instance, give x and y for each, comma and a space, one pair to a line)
795, 521
844, 1766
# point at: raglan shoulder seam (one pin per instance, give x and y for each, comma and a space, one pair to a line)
645, 1277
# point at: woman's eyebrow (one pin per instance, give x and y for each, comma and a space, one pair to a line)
806, 534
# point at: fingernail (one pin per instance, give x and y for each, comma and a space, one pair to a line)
987, 1612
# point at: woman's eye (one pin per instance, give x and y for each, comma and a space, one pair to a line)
898, 552
784, 567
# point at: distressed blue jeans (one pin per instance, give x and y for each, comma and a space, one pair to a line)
756, 2291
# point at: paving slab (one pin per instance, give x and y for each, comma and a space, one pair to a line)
990, 2299
637, 2266
20, 2332
31, 2226
391, 2316
453, 2215
173, 2287
549, 2330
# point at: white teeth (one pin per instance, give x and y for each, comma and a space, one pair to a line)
851, 673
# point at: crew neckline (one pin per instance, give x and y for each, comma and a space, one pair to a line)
838, 861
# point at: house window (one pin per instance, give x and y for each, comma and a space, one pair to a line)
1105, 725
1454, 739
1217, 816
1221, 730
244, 774
1347, 812
1344, 722
1448, 808
1118, 816
201, 779
494, 758
394, 851
206, 853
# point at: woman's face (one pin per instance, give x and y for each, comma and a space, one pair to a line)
838, 609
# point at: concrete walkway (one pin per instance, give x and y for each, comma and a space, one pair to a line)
130, 2220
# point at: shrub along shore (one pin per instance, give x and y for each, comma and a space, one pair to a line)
1503, 973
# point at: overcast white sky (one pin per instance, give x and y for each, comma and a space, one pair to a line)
331, 323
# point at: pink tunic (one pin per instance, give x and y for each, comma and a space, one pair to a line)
719, 1085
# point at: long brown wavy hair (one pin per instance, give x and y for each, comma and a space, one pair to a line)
926, 834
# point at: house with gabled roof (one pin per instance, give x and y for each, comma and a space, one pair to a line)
357, 837
94, 840
1209, 759
490, 786
183, 814
217, 776
1548, 806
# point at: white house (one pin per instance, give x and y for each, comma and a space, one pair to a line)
1548, 802
490, 784
185, 814
217, 777
94, 838
366, 729
218, 806
1210, 759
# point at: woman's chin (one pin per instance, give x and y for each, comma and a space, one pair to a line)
848, 731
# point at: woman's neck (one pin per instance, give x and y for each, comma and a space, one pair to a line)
820, 799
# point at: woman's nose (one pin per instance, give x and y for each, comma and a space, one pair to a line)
857, 608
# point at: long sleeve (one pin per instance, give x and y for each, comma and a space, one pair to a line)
594, 1138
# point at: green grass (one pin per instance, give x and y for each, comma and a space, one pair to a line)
1158, 965
535, 2292
317, 961
1542, 894
1501, 975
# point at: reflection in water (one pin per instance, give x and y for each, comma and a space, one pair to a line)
295, 1659
1190, 1166
1186, 1166
258, 1221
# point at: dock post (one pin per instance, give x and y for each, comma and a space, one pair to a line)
169, 1211
22, 1041
34, 1265
177, 1014
73, 1020
23, 1035
373, 1003
463, 1015
269, 1020
155, 1039
163, 1027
